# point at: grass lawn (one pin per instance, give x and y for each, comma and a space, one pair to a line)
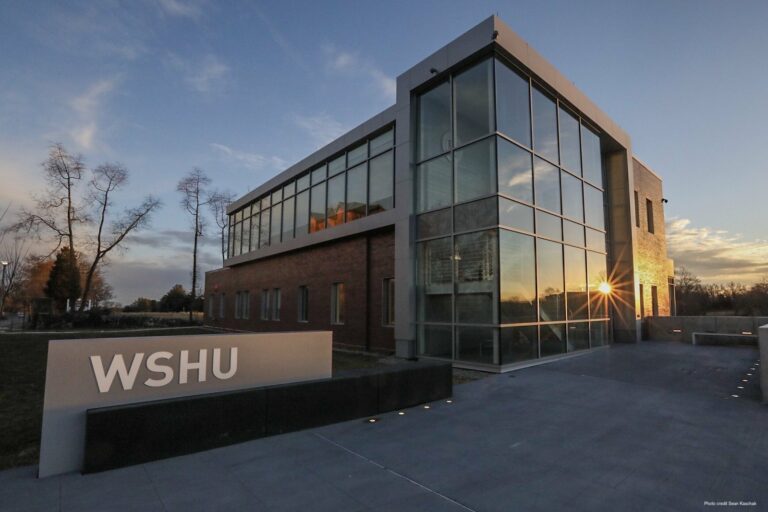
22, 383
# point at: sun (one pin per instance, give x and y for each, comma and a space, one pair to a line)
604, 288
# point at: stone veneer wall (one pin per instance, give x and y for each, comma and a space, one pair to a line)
652, 266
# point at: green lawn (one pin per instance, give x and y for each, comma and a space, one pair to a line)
22, 383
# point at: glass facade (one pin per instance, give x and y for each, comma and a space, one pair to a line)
510, 226
354, 184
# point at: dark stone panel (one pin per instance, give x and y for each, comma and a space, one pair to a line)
132, 434
411, 386
298, 406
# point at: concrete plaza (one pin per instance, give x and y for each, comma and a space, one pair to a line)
654, 426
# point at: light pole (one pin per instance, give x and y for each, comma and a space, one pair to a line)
2, 286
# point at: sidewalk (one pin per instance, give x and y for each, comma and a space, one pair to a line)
639, 427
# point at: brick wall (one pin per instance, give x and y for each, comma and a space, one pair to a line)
652, 267
361, 263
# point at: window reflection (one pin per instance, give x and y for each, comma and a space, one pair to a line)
578, 336
576, 283
517, 278
336, 205
597, 272
434, 122
435, 280
475, 170
519, 344
594, 213
434, 187
302, 213
570, 147
550, 274
552, 339
475, 256
515, 171
357, 186
317, 205
573, 203
436, 341
544, 125
593, 168
547, 185
515, 215
476, 344
382, 180
513, 104
473, 96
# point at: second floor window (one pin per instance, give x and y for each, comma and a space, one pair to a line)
649, 212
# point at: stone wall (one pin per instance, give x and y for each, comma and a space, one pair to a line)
681, 328
652, 266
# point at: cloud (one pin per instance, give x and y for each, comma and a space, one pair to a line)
253, 161
353, 64
181, 8
88, 108
173, 239
716, 255
321, 128
204, 75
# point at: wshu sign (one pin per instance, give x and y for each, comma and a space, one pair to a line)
85, 374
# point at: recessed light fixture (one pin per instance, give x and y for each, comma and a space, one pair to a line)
740, 387
372, 420
426, 407
744, 380
401, 413
735, 396
749, 375
449, 401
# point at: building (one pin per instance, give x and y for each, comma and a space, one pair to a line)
492, 216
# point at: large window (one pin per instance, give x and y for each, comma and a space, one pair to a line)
515, 170
381, 194
476, 257
550, 274
475, 168
435, 280
336, 204
570, 146
544, 125
473, 97
338, 301
518, 278
317, 211
513, 114
434, 122
350, 186
357, 186
510, 231
434, 184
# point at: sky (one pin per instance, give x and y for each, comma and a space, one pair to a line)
243, 89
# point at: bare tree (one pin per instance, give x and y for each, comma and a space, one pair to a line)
57, 211
218, 201
63, 208
107, 179
193, 199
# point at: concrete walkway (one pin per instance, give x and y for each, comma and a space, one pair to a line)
641, 427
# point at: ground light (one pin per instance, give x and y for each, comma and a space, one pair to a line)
426, 406
372, 420
401, 413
